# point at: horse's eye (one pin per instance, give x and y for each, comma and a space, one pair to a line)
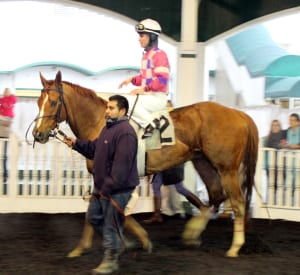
53, 103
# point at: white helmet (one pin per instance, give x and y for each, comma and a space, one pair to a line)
148, 26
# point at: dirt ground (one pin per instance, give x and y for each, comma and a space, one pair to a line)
38, 244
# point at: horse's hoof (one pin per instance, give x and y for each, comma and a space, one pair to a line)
192, 243
129, 244
148, 247
231, 254
75, 253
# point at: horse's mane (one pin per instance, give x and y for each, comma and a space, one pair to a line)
86, 92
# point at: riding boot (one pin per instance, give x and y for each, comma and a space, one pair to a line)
157, 215
150, 128
193, 199
109, 263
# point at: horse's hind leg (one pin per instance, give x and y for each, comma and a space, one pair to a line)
85, 241
232, 188
130, 224
212, 180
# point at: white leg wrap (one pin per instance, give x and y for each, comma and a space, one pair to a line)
238, 238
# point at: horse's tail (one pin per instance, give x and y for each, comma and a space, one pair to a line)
250, 159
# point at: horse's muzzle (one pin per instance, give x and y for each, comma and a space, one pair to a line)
40, 137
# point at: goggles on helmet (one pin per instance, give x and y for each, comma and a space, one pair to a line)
141, 28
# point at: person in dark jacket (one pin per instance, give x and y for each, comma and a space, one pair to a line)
115, 177
276, 135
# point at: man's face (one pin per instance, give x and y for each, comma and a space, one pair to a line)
293, 121
113, 111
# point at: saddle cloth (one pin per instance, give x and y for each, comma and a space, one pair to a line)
165, 136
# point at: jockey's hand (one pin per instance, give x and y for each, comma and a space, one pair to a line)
125, 82
70, 141
137, 91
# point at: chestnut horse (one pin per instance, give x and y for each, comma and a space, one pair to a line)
221, 142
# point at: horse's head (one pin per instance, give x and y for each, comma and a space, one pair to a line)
51, 110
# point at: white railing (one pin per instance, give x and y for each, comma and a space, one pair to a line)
52, 178
49, 178
278, 182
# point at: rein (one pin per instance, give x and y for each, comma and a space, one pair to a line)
135, 102
118, 209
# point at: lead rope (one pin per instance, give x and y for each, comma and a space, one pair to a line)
118, 209
86, 194
121, 212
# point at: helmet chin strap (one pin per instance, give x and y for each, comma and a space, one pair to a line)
153, 42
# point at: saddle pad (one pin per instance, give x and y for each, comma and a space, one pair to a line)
162, 137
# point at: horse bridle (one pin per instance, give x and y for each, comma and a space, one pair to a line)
61, 102
56, 130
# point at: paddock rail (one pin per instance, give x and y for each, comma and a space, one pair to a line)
52, 178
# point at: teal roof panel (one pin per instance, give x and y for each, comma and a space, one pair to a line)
248, 40
72, 67
258, 59
284, 87
288, 65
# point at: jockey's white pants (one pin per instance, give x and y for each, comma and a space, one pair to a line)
147, 103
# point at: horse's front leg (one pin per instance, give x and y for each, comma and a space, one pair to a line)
85, 241
195, 226
212, 180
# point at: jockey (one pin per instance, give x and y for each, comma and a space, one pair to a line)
152, 80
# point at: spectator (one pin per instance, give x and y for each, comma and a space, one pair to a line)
276, 136
7, 103
275, 139
293, 133
293, 143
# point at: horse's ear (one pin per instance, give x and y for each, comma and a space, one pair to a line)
43, 80
58, 77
